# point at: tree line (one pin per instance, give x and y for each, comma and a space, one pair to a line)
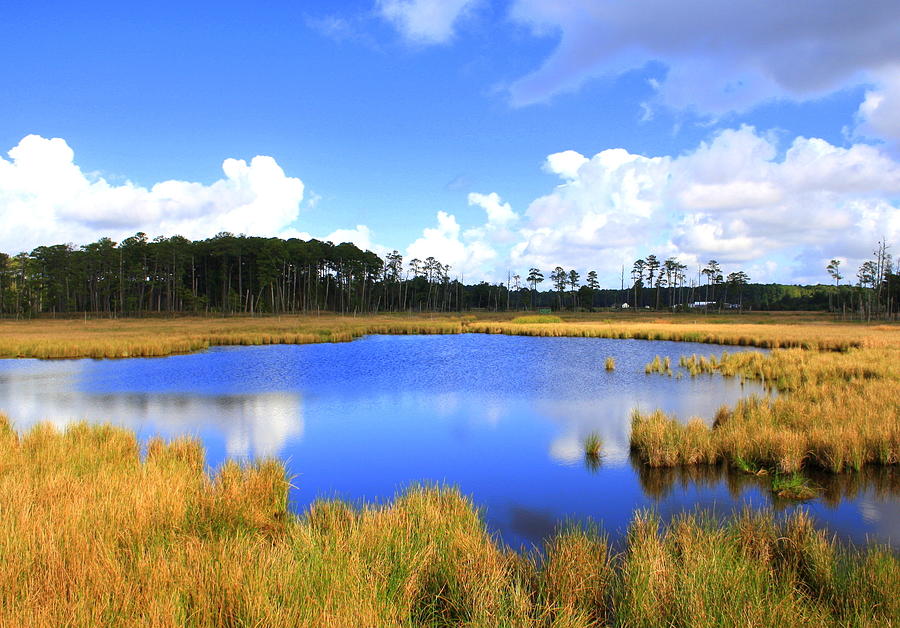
232, 274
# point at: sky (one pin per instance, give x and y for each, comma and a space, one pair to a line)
494, 136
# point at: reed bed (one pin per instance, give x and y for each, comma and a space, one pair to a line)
812, 335
124, 338
537, 319
841, 411
95, 531
116, 338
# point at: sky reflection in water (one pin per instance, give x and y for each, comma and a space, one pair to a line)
501, 417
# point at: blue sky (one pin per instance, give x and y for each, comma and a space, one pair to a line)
760, 136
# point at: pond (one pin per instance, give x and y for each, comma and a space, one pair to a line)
502, 417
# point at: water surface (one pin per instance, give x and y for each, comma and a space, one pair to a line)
502, 417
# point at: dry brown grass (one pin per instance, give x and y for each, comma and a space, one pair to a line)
839, 411
116, 338
92, 533
123, 338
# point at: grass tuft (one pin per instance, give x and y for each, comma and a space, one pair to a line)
593, 444
793, 486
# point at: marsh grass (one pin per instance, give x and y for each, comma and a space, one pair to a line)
610, 364
747, 466
840, 382
837, 411
663, 366
536, 319
654, 366
92, 532
793, 486
124, 338
115, 338
593, 444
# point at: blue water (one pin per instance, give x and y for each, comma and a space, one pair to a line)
502, 417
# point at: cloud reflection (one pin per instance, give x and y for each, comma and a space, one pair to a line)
251, 425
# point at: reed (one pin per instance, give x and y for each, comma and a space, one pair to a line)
593, 444
838, 412
793, 486
610, 364
149, 337
533, 320
93, 532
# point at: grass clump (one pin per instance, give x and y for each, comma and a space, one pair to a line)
838, 412
536, 319
94, 533
662, 441
793, 486
593, 444
610, 364
748, 466
663, 366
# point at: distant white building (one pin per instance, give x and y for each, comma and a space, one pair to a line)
727, 306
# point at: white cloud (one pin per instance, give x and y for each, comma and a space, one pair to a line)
720, 56
598, 216
443, 242
362, 236
498, 229
731, 199
499, 214
879, 113
425, 21
45, 198
565, 164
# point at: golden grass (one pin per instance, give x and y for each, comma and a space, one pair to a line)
593, 444
123, 338
116, 338
813, 335
538, 319
840, 411
92, 533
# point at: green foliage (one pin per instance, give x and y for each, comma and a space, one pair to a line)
793, 486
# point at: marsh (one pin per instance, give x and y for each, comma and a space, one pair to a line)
501, 417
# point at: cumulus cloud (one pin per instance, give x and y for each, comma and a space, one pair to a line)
499, 214
879, 113
720, 56
565, 164
425, 21
361, 236
731, 199
467, 257
599, 215
46, 198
